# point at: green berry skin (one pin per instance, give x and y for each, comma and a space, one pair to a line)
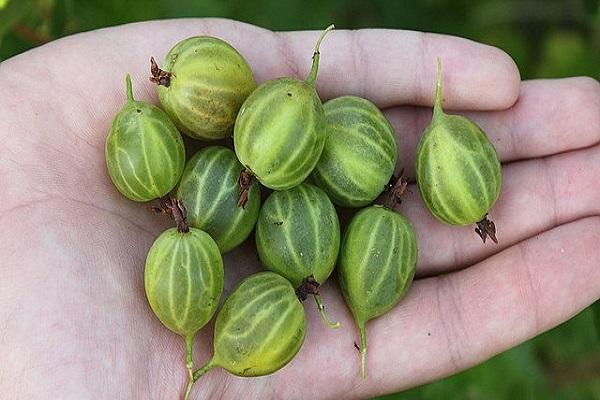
209, 82
377, 262
260, 327
184, 279
457, 169
144, 151
280, 132
360, 152
298, 234
209, 190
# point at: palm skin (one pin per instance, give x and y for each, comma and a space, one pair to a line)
74, 321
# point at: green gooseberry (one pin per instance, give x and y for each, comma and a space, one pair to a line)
144, 151
259, 329
360, 152
183, 278
457, 169
202, 85
209, 189
280, 130
377, 262
298, 236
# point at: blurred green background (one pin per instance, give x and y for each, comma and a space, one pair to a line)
546, 38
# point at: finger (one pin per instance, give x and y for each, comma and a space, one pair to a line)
392, 67
84, 74
551, 116
477, 313
536, 195
450, 323
389, 67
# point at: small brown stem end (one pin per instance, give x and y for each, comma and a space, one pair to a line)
486, 228
395, 189
308, 286
175, 209
246, 180
160, 77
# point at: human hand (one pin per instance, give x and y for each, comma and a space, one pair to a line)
74, 321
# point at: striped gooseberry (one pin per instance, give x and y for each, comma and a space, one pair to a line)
377, 263
298, 236
457, 169
360, 152
183, 279
280, 130
209, 189
144, 151
202, 84
259, 329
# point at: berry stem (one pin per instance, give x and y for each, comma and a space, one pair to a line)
175, 209
159, 76
437, 105
188, 390
129, 88
179, 215
308, 286
486, 228
245, 181
394, 190
363, 350
189, 363
312, 75
204, 369
321, 307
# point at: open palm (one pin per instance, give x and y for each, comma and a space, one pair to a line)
74, 321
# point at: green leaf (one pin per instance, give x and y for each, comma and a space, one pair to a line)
11, 13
